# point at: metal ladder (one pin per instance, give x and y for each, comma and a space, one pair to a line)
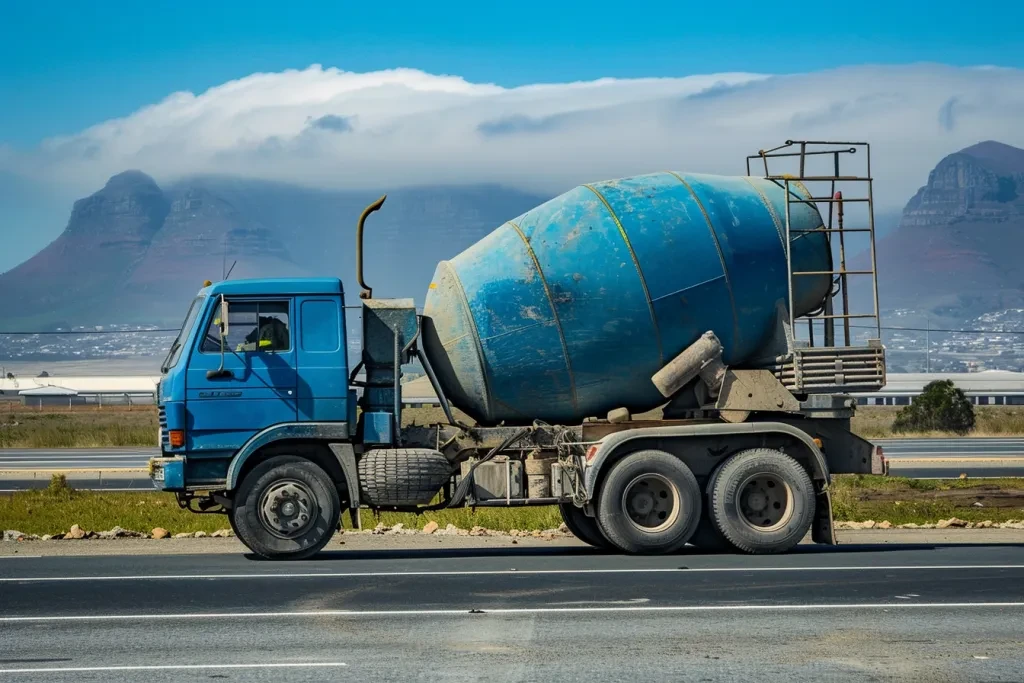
827, 367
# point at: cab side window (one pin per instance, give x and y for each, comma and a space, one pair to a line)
253, 326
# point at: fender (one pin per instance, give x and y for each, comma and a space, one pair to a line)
316, 431
611, 443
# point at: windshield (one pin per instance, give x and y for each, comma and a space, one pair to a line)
186, 327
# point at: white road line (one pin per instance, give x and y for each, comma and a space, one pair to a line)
499, 572
513, 611
175, 667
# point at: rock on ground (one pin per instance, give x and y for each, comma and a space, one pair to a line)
160, 532
430, 527
76, 532
951, 522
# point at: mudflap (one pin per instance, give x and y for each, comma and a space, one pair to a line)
822, 531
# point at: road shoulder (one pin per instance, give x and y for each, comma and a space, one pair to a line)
420, 542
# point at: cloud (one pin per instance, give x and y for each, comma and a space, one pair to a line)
946, 115
406, 127
338, 124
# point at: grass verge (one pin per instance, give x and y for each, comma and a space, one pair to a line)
875, 422
855, 498
78, 427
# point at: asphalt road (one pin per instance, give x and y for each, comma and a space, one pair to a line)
949, 458
125, 468
536, 614
85, 468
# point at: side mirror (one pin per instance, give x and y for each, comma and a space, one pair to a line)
222, 324
223, 317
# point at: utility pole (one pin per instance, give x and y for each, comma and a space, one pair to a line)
928, 346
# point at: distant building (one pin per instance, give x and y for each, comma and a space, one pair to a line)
44, 391
987, 388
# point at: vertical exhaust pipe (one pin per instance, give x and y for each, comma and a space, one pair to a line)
367, 292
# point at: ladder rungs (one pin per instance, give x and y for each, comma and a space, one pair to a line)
832, 230
828, 200
833, 316
818, 177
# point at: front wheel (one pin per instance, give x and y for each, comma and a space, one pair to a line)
649, 503
287, 508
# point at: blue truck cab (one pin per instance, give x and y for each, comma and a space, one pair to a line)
281, 370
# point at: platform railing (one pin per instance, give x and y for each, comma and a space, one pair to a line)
817, 364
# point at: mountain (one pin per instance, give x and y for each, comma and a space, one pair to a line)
957, 248
134, 252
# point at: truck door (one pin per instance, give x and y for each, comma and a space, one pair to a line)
255, 387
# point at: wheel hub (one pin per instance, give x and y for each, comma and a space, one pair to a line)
288, 508
651, 502
765, 502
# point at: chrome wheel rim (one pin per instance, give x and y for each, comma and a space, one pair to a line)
764, 502
651, 503
288, 508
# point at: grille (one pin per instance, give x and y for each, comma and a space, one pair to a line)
165, 439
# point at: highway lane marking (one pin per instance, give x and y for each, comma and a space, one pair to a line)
78, 470
85, 488
499, 572
969, 463
513, 611
64, 458
8, 462
176, 667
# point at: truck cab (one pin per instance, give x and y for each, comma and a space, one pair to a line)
256, 361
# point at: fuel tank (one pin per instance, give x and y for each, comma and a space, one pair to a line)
566, 311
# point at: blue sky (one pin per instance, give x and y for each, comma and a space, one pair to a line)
68, 65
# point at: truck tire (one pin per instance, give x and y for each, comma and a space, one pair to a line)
762, 501
402, 476
708, 538
583, 527
287, 508
649, 503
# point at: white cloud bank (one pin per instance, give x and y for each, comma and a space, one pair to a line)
330, 128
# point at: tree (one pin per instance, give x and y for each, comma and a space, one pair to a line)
941, 407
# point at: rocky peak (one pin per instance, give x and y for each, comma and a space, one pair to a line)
130, 206
1000, 158
984, 181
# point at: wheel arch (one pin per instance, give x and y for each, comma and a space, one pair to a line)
310, 440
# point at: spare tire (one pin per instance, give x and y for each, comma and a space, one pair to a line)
402, 477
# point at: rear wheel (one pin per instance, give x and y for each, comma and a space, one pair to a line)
287, 508
708, 538
649, 503
762, 501
583, 527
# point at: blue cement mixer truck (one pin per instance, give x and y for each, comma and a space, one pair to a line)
668, 358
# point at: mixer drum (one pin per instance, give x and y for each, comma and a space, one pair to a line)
566, 311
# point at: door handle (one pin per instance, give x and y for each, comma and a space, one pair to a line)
218, 374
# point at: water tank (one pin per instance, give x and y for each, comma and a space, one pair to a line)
566, 311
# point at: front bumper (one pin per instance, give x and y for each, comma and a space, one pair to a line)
168, 474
